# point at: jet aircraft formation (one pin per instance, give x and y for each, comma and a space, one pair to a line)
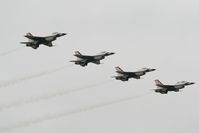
83, 60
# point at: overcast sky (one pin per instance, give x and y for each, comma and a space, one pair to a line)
34, 86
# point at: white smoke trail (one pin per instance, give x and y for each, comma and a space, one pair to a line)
29, 77
69, 113
10, 51
62, 92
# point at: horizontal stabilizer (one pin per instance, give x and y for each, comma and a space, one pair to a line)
73, 61
25, 42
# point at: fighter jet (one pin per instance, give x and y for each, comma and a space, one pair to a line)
163, 89
124, 76
83, 60
35, 41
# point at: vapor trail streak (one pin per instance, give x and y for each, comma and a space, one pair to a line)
22, 79
50, 96
10, 51
69, 113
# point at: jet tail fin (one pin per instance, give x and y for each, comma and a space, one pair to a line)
157, 82
29, 34
118, 69
77, 53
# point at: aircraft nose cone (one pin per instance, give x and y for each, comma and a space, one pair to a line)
191, 83
150, 70
111, 53
62, 34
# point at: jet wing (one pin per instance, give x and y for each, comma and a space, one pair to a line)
162, 90
138, 73
97, 62
34, 46
122, 74
79, 60
49, 38
49, 44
